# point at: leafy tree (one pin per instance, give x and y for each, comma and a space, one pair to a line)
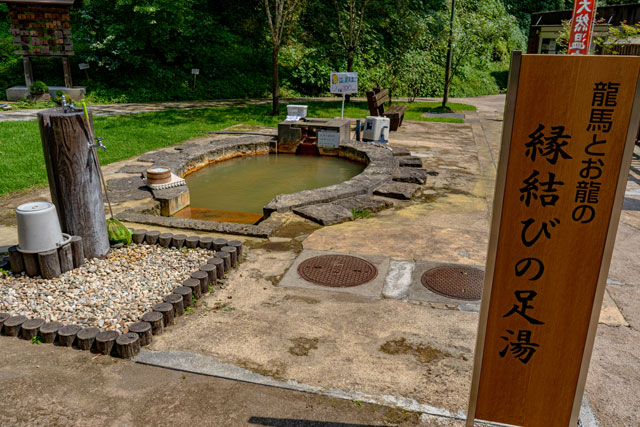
483, 32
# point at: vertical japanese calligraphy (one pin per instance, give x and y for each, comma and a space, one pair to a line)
584, 12
560, 167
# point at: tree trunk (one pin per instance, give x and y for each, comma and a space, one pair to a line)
350, 54
447, 71
275, 84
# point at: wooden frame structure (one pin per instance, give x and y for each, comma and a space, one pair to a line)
41, 28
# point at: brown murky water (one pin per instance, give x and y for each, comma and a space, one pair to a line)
246, 184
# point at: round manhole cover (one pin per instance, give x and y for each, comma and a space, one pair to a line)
455, 282
339, 271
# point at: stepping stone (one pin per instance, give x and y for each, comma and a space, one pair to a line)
360, 203
400, 151
398, 190
410, 162
325, 214
411, 175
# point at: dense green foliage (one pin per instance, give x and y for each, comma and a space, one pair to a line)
23, 165
144, 50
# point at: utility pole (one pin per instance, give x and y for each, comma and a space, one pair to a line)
447, 73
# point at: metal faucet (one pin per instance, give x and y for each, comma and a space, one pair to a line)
98, 143
66, 107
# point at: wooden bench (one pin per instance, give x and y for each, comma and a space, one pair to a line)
376, 99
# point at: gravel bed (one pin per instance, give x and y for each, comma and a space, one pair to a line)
107, 293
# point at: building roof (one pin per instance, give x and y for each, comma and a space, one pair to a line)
613, 15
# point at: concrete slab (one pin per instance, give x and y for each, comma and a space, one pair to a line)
373, 289
398, 280
418, 292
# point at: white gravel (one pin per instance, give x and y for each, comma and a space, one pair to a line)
107, 293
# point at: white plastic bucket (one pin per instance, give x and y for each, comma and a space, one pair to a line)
39, 228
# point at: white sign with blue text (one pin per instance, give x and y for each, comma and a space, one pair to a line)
344, 83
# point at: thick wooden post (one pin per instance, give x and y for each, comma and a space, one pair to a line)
28, 71
74, 181
66, 69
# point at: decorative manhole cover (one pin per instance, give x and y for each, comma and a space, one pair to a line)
455, 282
339, 271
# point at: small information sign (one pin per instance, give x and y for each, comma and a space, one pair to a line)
569, 132
344, 83
328, 138
83, 66
195, 71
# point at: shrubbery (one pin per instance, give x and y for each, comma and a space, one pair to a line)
144, 51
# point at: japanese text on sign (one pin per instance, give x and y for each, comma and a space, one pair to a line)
584, 12
344, 82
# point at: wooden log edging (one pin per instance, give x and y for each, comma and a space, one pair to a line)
110, 342
48, 264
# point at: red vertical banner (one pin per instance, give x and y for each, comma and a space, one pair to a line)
584, 13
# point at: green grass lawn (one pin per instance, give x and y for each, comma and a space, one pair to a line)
22, 162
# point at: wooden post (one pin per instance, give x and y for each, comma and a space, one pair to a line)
211, 271
154, 318
219, 263
226, 257
138, 236
74, 180
15, 260
31, 327
238, 245
77, 251
233, 255
206, 242
49, 331
28, 71
5, 316
49, 264
128, 345
31, 264
67, 335
178, 240
13, 324
66, 258
192, 242
165, 239
152, 237
143, 329
176, 301
167, 312
105, 341
186, 294
87, 337
203, 280
218, 244
194, 285
66, 69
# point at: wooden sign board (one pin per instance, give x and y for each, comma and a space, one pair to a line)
569, 131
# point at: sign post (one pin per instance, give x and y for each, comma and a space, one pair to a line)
344, 83
195, 72
584, 13
569, 132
